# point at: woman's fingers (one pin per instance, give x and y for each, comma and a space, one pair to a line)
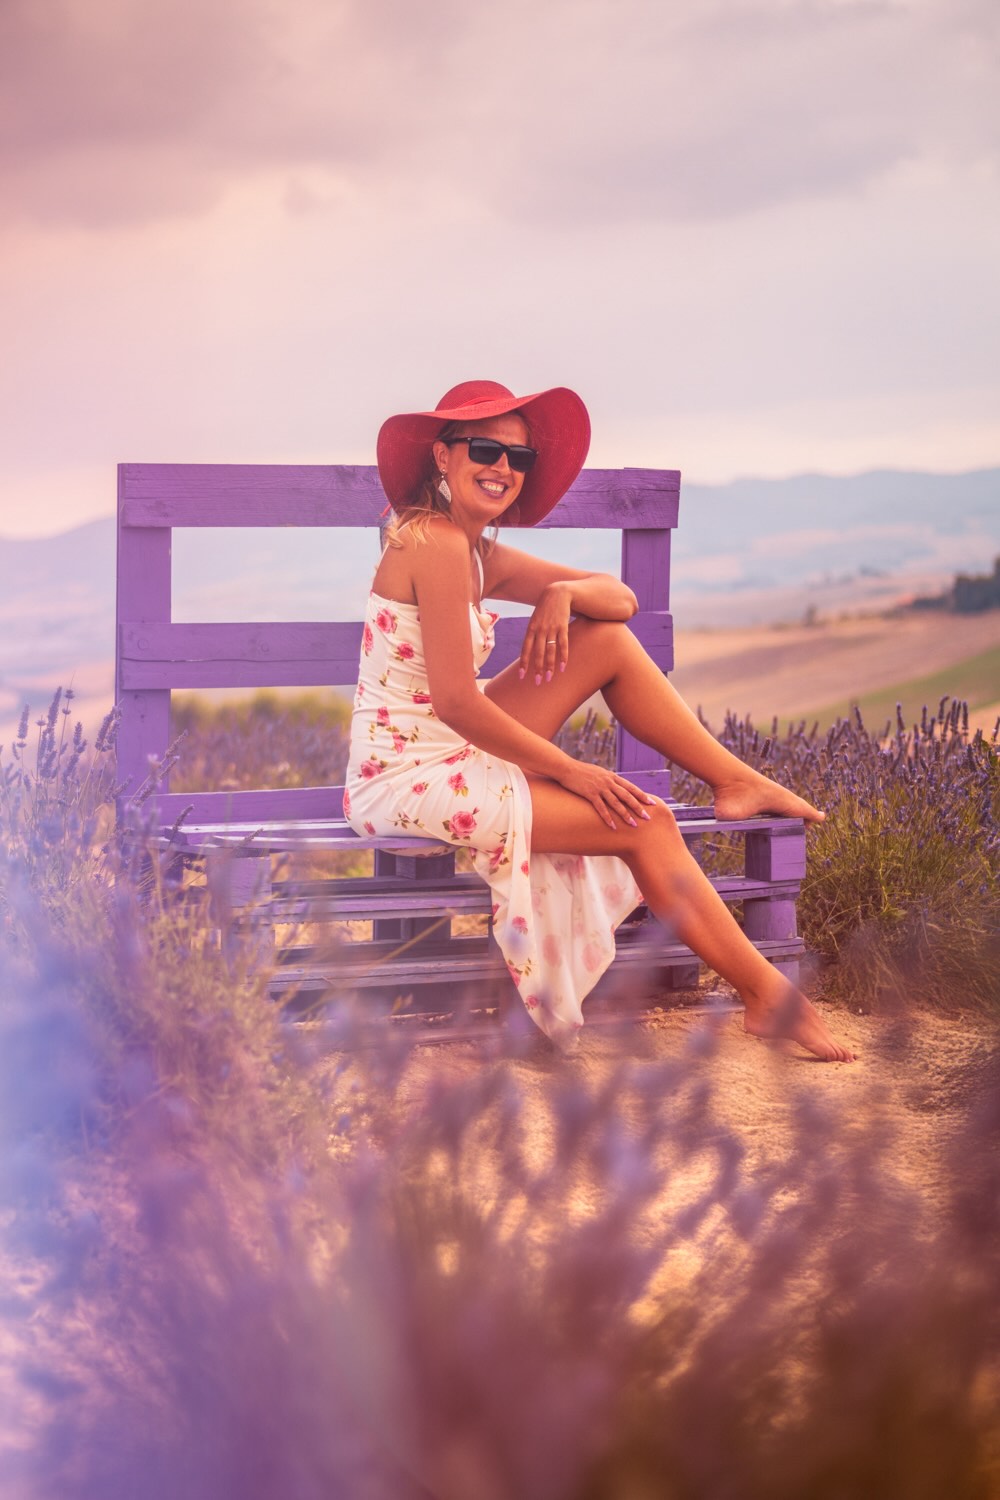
545, 650
621, 797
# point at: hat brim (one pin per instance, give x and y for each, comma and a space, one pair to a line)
560, 431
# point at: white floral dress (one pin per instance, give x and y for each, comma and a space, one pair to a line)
554, 916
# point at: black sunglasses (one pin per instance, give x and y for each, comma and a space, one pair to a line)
488, 450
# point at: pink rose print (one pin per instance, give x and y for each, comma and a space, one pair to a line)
531, 1002
360, 693
552, 949
462, 754
386, 621
592, 957
418, 787
461, 825
404, 651
613, 893
371, 767
369, 827
514, 973
347, 803
494, 908
398, 743
519, 924
421, 697
458, 784
382, 715
367, 640
498, 857
525, 867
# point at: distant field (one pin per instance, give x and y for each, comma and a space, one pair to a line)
815, 672
977, 680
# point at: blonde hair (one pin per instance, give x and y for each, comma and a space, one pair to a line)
426, 500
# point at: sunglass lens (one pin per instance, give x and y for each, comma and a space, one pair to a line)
484, 450
488, 451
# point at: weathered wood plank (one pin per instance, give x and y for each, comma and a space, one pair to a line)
476, 962
404, 899
296, 654
143, 593
165, 495
307, 822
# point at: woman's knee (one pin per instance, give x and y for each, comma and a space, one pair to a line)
607, 636
658, 830
598, 632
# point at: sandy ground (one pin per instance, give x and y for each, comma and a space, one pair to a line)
920, 1075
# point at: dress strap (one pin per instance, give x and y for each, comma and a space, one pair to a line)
482, 575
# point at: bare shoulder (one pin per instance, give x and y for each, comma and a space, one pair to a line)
415, 553
437, 543
439, 561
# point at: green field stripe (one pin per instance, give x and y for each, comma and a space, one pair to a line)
976, 679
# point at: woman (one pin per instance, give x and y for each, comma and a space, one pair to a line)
569, 849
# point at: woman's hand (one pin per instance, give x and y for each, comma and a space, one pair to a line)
612, 796
546, 640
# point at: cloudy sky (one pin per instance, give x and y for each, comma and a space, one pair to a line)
758, 236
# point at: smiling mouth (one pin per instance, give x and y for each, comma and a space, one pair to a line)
493, 488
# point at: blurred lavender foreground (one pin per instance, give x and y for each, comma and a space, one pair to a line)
237, 1266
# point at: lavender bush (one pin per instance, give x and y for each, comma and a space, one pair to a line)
254, 1260
265, 740
901, 900
450, 1287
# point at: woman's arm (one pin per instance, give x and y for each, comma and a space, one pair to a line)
440, 569
557, 593
523, 579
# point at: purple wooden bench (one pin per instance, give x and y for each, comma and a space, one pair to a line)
414, 891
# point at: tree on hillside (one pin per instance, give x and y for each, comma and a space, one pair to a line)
971, 593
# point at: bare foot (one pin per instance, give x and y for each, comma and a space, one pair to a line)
758, 794
790, 1016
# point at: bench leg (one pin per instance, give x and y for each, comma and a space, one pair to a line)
415, 931
775, 854
239, 888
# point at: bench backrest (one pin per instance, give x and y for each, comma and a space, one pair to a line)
155, 655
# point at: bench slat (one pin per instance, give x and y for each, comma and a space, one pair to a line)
159, 654
473, 961
411, 900
276, 836
164, 495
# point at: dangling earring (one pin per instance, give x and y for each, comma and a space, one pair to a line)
444, 491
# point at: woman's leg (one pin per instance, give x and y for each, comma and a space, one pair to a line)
606, 658
680, 894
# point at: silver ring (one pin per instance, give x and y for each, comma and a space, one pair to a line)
552, 642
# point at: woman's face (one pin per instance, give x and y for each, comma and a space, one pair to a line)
480, 492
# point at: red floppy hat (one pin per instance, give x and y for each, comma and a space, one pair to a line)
557, 420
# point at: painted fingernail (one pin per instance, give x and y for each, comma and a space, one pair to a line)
647, 817
548, 677
633, 823
520, 673
538, 679
562, 666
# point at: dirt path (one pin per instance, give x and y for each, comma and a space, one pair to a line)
918, 1077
